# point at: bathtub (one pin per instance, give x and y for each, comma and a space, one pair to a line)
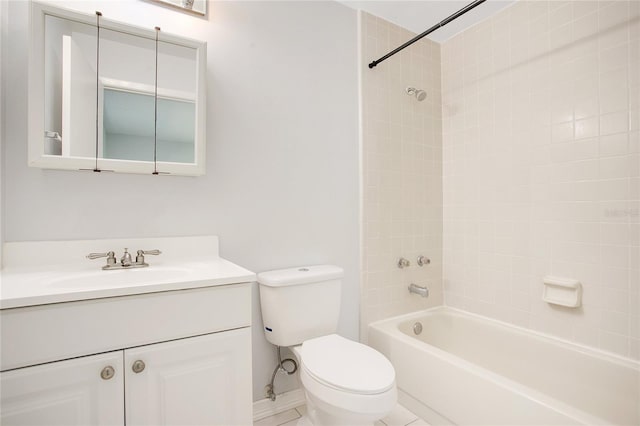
470, 370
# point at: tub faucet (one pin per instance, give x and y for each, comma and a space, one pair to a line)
422, 291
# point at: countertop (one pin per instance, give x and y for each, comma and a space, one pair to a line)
24, 286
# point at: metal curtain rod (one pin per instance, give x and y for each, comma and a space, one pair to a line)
429, 31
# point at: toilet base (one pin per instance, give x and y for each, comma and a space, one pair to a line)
319, 414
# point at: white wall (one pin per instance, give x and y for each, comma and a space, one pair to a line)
402, 172
3, 38
541, 168
281, 187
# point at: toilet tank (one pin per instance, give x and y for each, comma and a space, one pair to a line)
301, 303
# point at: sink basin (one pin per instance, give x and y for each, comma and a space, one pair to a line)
120, 277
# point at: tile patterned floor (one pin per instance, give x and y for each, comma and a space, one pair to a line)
400, 416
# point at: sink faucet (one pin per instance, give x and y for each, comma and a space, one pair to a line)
125, 261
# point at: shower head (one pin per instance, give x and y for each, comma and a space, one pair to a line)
420, 95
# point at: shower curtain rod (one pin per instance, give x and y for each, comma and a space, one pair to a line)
429, 31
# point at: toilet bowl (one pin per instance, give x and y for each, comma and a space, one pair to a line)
345, 382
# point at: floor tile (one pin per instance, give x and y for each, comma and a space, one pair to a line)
418, 422
278, 419
293, 422
400, 416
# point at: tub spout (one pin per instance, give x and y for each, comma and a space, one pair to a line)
422, 291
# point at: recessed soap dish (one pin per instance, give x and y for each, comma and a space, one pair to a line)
562, 291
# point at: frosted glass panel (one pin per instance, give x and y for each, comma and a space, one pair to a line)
129, 131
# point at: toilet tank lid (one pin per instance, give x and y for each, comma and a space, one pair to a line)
300, 275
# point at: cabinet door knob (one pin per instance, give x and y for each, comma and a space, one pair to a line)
107, 372
138, 366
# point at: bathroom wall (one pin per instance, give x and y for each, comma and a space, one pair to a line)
281, 187
540, 163
401, 168
3, 37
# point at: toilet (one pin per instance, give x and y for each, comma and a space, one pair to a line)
344, 382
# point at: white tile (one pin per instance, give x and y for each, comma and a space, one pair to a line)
293, 422
616, 122
587, 128
562, 132
400, 416
419, 422
614, 167
302, 410
278, 419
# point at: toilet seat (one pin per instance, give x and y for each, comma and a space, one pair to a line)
346, 366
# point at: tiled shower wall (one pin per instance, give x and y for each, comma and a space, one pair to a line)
402, 172
540, 160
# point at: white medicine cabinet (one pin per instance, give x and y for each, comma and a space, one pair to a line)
108, 96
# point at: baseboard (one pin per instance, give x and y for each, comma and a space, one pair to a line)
284, 401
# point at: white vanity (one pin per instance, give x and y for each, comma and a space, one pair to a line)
166, 344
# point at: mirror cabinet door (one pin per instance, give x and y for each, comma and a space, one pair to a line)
126, 97
177, 95
70, 88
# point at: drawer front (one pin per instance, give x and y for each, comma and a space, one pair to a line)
46, 333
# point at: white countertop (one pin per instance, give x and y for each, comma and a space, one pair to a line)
22, 285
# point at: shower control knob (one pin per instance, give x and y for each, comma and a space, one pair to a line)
107, 372
403, 263
422, 260
138, 366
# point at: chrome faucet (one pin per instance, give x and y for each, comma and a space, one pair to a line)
125, 261
422, 291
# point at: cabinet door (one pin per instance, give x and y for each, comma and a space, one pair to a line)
203, 380
70, 392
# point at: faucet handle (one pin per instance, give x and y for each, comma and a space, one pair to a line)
111, 257
423, 260
153, 252
403, 263
141, 253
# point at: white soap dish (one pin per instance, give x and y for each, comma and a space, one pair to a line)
562, 291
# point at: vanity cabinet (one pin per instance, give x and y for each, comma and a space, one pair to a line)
167, 358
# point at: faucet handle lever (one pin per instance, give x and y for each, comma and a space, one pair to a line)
111, 258
108, 254
153, 252
141, 253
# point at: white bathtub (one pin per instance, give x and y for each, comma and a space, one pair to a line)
469, 370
